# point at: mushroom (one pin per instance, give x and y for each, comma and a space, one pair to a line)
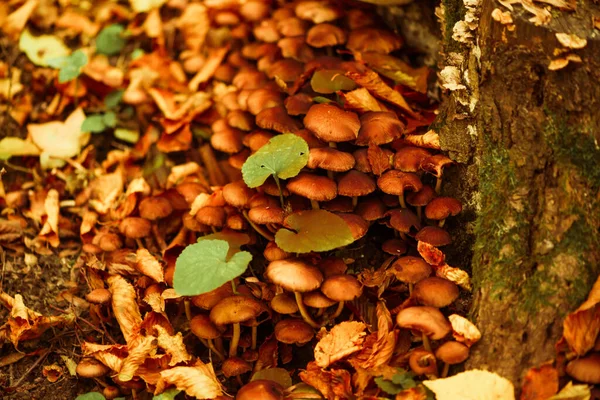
404, 221
373, 39
261, 99
235, 366
410, 270
260, 389
434, 236
293, 331
354, 184
111, 392
98, 296
441, 208
371, 209
272, 252
286, 70
206, 331
233, 310
316, 299
107, 241
435, 292
292, 26
296, 276
409, 158
421, 198
317, 11
91, 368
135, 228
358, 226
154, 209
298, 104
435, 165
313, 187
341, 288
277, 119
332, 124
330, 159
423, 362
296, 48
394, 247
325, 35
379, 127
427, 320
284, 304
397, 182
452, 353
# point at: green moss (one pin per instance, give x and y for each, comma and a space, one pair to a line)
454, 12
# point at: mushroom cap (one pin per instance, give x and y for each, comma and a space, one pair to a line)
277, 119
436, 164
379, 127
211, 216
190, 190
371, 209
111, 392
298, 104
91, 368
359, 18
452, 352
435, 292
358, 226
285, 304
410, 269
287, 69
98, 296
292, 26
107, 241
257, 139
409, 158
434, 236
235, 309
342, 287
261, 99
255, 10
395, 247
356, 183
373, 39
228, 140
260, 389
295, 48
294, 275
293, 331
208, 300
239, 119
585, 369
332, 124
404, 220
314, 187
397, 182
317, 11
442, 207
250, 78
202, 326
273, 252
422, 362
428, 320
309, 138
339, 204
330, 159
235, 366
323, 35
237, 194
135, 228
154, 208
266, 215
317, 299
422, 197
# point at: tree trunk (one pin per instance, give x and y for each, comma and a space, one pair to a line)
528, 140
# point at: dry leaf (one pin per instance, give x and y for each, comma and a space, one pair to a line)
49, 230
172, 345
197, 381
360, 100
111, 355
148, 265
194, 23
125, 307
580, 328
463, 330
430, 140
571, 41
344, 339
334, 384
211, 64
456, 275
138, 349
16, 21
472, 385
540, 383
52, 372
431, 254
379, 160
573, 392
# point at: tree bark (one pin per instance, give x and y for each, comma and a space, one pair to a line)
528, 140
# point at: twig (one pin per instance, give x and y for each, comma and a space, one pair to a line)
35, 364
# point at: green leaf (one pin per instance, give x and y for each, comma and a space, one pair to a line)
137, 53
41, 49
110, 40
110, 119
94, 123
13, 146
279, 375
235, 240
167, 395
113, 99
388, 386
203, 266
127, 135
330, 81
313, 230
70, 66
91, 396
321, 99
283, 157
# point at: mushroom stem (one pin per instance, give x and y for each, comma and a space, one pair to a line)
160, 241
188, 309
235, 340
314, 204
239, 380
401, 200
254, 335
304, 312
233, 287
257, 228
403, 236
140, 244
338, 311
411, 286
438, 185
426, 344
441, 223
208, 343
219, 345
330, 175
420, 213
445, 370
354, 202
333, 145
213, 229
280, 191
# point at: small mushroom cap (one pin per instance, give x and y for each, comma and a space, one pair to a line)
395, 247
356, 183
323, 35
108, 241
422, 362
135, 228
294, 275
332, 124
442, 207
373, 39
358, 226
452, 352
190, 190
330, 159
296, 48
202, 326
208, 300
98, 296
255, 10
434, 236
317, 11
435, 292
410, 269
371, 209
397, 182
235, 366
332, 266
422, 197
260, 389
91, 368
211, 216
342, 287
314, 187
228, 140
111, 392
317, 299
273, 252
339, 204
436, 164
257, 139
309, 138
240, 120
277, 119
154, 208
404, 220
266, 215
379, 127
237, 194
298, 104
292, 26
409, 158
287, 69
428, 320
261, 99
293, 331
235, 309
585, 369
285, 304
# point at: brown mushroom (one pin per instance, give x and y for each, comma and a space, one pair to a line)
98, 296
355, 184
325, 35
409, 158
206, 331
91, 368
585, 369
441, 208
421, 198
410, 270
341, 288
435, 292
332, 124
277, 119
330, 159
260, 389
434, 236
435, 165
452, 353
373, 39
313, 187
397, 182
423, 362
427, 320
293, 331
235, 367
284, 304
379, 127
135, 228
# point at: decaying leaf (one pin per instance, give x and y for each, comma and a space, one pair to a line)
472, 385
197, 381
431, 254
580, 328
573, 392
172, 345
362, 101
52, 372
333, 384
138, 349
540, 383
125, 306
148, 265
456, 275
463, 330
344, 339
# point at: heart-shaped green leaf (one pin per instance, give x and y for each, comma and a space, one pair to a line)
94, 123
204, 266
110, 40
235, 240
69, 66
283, 157
313, 230
330, 81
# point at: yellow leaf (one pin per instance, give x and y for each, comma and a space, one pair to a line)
41, 49
581, 327
472, 385
125, 307
463, 330
172, 345
198, 381
344, 339
148, 265
13, 146
141, 6
139, 349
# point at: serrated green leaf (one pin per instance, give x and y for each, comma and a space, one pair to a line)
41, 49
573, 392
283, 157
330, 81
388, 386
313, 230
94, 123
279, 375
203, 266
127, 135
110, 119
110, 40
91, 396
113, 99
167, 395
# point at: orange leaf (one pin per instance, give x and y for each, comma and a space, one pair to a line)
360, 100
580, 328
333, 384
148, 265
125, 307
198, 381
540, 383
344, 339
431, 254
172, 345
138, 349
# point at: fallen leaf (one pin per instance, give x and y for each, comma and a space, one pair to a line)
431, 254
194, 23
197, 381
13, 146
344, 339
456, 275
581, 327
141, 6
540, 383
16, 21
52, 372
472, 385
41, 49
573, 392
430, 140
148, 265
362, 101
463, 330
125, 307
398, 70
172, 345
334, 384
209, 67
52, 209
138, 349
